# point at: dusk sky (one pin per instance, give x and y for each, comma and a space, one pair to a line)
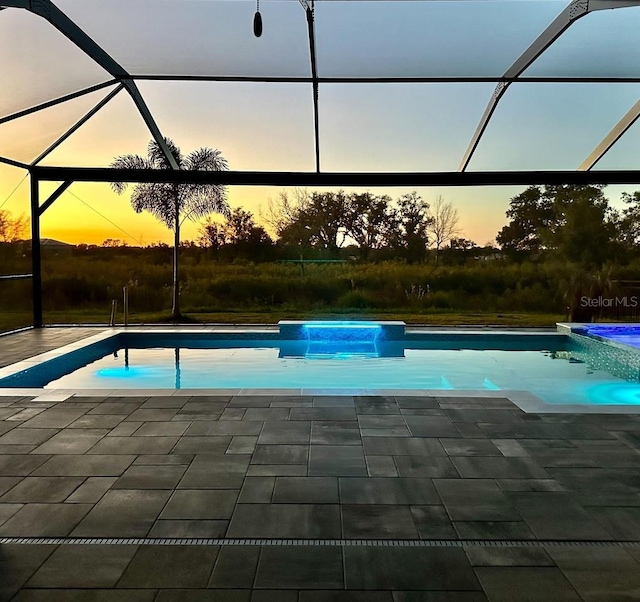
269, 126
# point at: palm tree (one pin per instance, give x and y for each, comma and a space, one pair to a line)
172, 204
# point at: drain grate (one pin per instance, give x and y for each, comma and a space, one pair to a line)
393, 543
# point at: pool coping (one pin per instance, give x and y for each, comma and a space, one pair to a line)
525, 400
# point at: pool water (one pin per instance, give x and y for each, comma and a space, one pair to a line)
556, 376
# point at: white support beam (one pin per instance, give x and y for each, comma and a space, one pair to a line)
574, 11
612, 137
51, 13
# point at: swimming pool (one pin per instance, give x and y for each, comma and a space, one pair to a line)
558, 368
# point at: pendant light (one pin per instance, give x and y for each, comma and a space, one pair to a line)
257, 21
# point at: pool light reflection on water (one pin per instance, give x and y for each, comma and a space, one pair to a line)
550, 376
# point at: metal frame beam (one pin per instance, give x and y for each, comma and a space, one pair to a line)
345, 179
36, 252
630, 117
13, 163
309, 11
574, 11
51, 13
54, 197
77, 125
57, 101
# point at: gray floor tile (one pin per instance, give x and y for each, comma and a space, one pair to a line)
376, 405
44, 520
376, 421
499, 468
431, 426
381, 466
553, 515
71, 441
159, 429
8, 510
529, 584
622, 523
203, 595
387, 491
280, 454
274, 414
116, 408
470, 447
201, 504
529, 485
148, 415
380, 568
377, 522
475, 499
30, 436
235, 567
202, 445
123, 513
170, 567
225, 428
19, 562
311, 521
344, 596
599, 573
493, 416
125, 429
83, 466
402, 446
336, 460
42, 489
336, 401
134, 445
335, 433
285, 433
507, 556
189, 528
57, 418
164, 402
510, 448
425, 466
277, 470
300, 568
493, 530
322, 414
88, 421
448, 596
164, 460
232, 414
306, 490
242, 445
150, 477
251, 401
257, 490
207, 472
72, 566
91, 490
16, 449
7, 483
433, 522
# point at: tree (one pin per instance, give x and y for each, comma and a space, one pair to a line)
172, 204
575, 222
529, 213
12, 229
413, 220
444, 224
368, 218
630, 219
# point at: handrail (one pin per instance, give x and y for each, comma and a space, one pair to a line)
16, 276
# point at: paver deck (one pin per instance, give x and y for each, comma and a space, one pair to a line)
313, 499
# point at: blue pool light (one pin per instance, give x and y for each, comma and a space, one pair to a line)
341, 340
614, 393
487, 384
124, 372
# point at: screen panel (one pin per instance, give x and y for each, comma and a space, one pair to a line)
398, 127
38, 64
191, 37
405, 39
551, 126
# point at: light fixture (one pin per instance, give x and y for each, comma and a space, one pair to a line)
257, 21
